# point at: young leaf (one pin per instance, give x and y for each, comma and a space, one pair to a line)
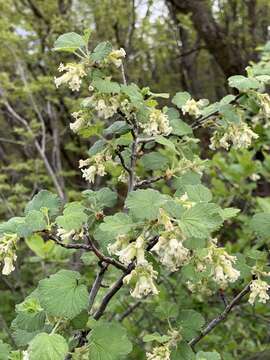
117, 224
154, 161
48, 346
243, 83
4, 350
183, 352
62, 296
260, 224
69, 42
108, 341
106, 86
103, 198
198, 193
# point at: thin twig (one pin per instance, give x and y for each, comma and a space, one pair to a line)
148, 181
221, 317
97, 285
118, 153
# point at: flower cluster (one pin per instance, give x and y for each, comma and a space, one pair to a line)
72, 76
259, 290
7, 252
169, 247
115, 57
193, 107
158, 124
143, 276
237, 134
221, 263
97, 167
68, 235
159, 353
264, 100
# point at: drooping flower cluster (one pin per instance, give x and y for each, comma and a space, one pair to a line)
169, 247
115, 57
68, 235
239, 135
143, 277
97, 166
221, 264
7, 252
158, 124
264, 100
259, 290
72, 76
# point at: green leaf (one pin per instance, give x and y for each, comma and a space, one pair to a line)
97, 147
200, 220
48, 346
103, 198
133, 92
35, 221
106, 86
156, 337
154, 161
62, 296
166, 310
69, 42
260, 224
108, 341
145, 204
243, 83
15, 225
228, 213
179, 127
117, 128
73, 217
37, 245
180, 99
44, 199
190, 323
183, 352
198, 193
117, 224
166, 142
4, 350
102, 50
202, 355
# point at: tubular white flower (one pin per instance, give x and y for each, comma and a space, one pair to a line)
144, 276
121, 242
8, 264
72, 77
133, 250
78, 123
259, 290
64, 234
89, 174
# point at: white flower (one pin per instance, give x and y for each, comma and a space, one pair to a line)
265, 104
223, 271
159, 353
184, 200
171, 252
78, 123
144, 276
116, 56
158, 124
8, 264
259, 289
133, 250
121, 242
239, 135
89, 174
64, 234
254, 177
192, 107
164, 220
72, 76
107, 109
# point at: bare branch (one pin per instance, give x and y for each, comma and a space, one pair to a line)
97, 285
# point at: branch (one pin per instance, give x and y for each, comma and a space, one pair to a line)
133, 157
96, 286
216, 321
148, 181
118, 153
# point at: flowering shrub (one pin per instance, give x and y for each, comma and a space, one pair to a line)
167, 223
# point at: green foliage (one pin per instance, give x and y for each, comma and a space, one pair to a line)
48, 346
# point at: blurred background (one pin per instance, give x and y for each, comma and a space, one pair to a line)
171, 45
